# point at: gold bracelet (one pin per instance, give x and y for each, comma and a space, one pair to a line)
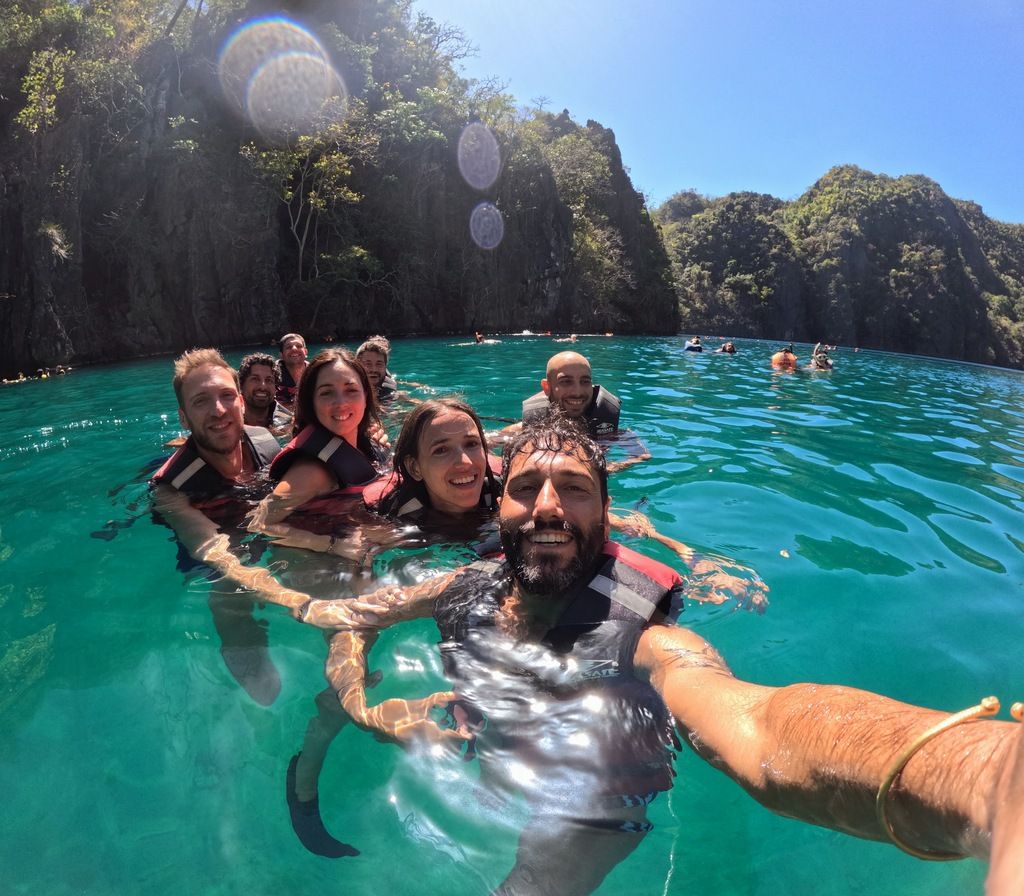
988, 707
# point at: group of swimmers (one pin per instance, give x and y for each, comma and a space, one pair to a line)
783, 359
567, 614
43, 373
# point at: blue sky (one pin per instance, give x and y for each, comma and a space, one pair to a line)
725, 95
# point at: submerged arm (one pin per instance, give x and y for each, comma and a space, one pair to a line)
819, 752
710, 581
206, 543
303, 482
635, 449
395, 719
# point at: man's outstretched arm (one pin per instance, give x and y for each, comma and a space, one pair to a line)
206, 543
819, 753
358, 621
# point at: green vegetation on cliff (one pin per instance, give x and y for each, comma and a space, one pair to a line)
140, 212
860, 259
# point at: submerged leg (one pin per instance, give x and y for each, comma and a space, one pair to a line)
560, 856
244, 648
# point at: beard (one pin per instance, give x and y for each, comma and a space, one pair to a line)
550, 576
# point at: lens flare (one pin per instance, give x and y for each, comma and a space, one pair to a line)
279, 75
479, 156
486, 226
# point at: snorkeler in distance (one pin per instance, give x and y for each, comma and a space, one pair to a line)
726, 348
194, 490
577, 625
820, 359
785, 359
290, 367
258, 378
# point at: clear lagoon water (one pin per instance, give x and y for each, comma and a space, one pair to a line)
883, 503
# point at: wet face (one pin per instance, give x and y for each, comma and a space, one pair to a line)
553, 521
570, 385
339, 400
212, 409
376, 366
258, 387
294, 351
450, 462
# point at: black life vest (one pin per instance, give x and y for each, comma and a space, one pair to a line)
588, 655
408, 500
602, 413
186, 471
287, 387
387, 388
353, 468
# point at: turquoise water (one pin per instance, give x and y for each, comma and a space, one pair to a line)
883, 503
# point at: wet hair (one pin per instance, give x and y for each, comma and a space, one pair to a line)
557, 433
194, 359
287, 337
407, 446
258, 358
305, 410
377, 344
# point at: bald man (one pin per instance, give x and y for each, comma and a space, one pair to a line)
568, 383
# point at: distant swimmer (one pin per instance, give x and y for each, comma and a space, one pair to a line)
820, 359
693, 345
479, 337
290, 367
785, 359
571, 338
726, 349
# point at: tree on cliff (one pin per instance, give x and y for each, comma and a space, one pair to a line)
862, 259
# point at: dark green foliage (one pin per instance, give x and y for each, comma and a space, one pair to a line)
142, 214
860, 259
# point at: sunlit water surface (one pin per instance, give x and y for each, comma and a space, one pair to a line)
881, 502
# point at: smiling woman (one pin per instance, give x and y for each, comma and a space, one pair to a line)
332, 450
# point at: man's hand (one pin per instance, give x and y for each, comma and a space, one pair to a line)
354, 547
409, 721
711, 583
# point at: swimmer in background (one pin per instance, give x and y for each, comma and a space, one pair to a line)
726, 348
374, 355
259, 379
785, 359
693, 345
568, 385
820, 359
550, 626
290, 367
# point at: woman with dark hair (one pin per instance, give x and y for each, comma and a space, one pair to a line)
441, 466
331, 451
442, 479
